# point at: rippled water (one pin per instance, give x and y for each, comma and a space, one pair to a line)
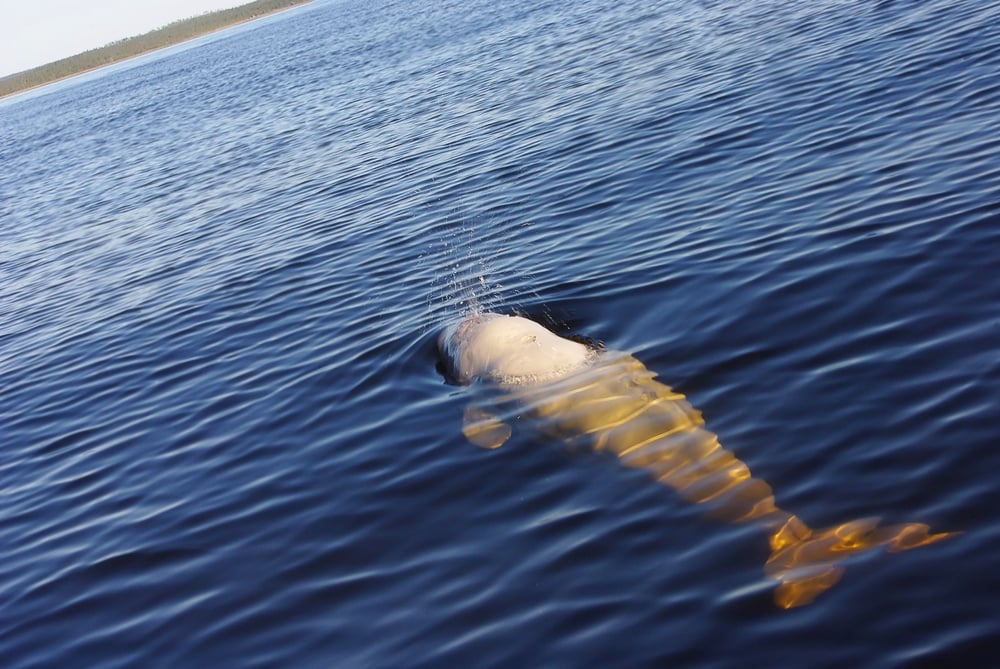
223, 268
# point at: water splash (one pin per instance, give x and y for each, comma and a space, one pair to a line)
470, 254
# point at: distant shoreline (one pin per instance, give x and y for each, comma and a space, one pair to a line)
117, 52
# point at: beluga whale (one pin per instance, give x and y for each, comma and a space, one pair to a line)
582, 394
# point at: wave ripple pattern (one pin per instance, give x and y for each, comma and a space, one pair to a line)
223, 441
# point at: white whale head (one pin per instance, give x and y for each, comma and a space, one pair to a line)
507, 350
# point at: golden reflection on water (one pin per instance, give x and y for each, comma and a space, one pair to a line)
616, 405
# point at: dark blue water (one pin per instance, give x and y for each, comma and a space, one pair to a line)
223, 441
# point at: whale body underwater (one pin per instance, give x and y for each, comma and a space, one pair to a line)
609, 401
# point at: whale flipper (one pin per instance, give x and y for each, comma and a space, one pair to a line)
483, 428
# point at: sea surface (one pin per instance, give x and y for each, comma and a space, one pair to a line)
223, 268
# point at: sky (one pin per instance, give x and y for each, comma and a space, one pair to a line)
35, 32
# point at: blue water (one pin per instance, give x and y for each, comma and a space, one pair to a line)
223, 441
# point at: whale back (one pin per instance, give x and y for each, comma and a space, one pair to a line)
507, 350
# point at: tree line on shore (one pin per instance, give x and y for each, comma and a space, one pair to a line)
173, 33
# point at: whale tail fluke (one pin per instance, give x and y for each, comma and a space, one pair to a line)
805, 562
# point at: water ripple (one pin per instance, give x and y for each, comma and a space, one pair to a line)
225, 266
